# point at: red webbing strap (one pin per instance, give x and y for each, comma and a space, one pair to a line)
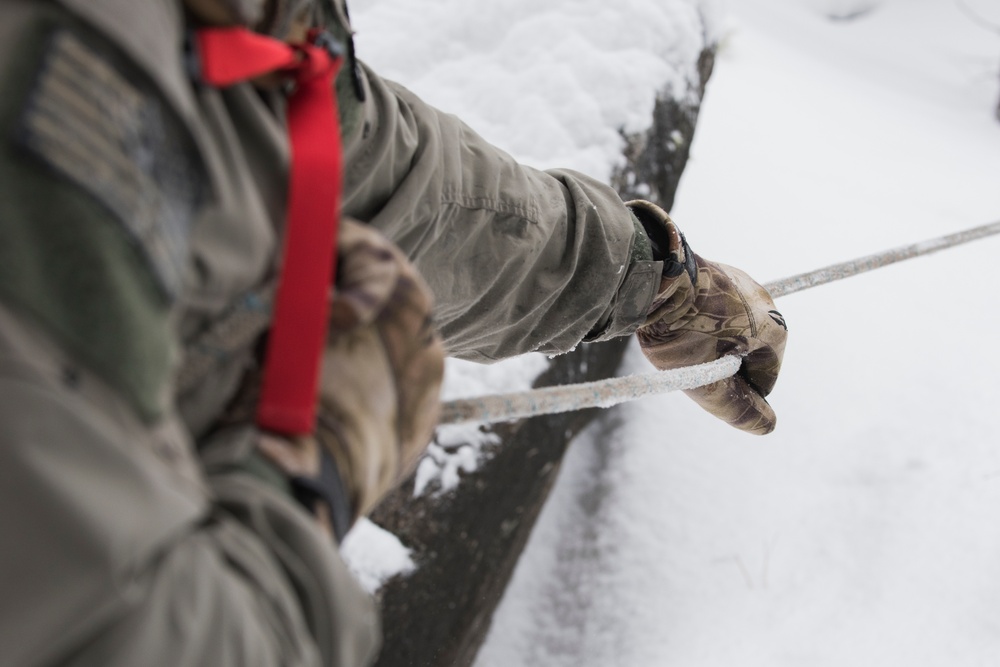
228, 56
298, 333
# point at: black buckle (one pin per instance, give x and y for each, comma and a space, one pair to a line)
325, 40
337, 50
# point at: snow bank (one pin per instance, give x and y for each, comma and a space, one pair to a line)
374, 555
550, 82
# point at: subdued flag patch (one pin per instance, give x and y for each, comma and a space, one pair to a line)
98, 129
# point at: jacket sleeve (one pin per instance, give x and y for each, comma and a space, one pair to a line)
519, 260
118, 551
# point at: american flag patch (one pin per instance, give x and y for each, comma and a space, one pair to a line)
113, 136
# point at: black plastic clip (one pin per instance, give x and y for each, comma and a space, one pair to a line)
324, 40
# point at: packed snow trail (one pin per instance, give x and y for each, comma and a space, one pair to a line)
614, 391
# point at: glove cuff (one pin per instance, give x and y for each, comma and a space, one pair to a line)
665, 238
676, 292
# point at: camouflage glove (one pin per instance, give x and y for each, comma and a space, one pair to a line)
704, 311
382, 369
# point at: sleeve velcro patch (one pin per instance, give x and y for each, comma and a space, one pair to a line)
91, 124
99, 184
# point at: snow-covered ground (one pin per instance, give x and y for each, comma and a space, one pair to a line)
866, 529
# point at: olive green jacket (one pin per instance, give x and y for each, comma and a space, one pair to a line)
140, 218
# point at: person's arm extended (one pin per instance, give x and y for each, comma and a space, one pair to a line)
523, 260
519, 260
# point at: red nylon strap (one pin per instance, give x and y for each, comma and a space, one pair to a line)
298, 333
233, 55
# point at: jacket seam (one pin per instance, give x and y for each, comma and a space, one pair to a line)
490, 204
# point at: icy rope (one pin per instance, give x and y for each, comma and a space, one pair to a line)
599, 394
829, 274
606, 393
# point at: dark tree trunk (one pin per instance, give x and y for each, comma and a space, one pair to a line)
467, 541
655, 159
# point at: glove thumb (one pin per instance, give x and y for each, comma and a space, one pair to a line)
733, 401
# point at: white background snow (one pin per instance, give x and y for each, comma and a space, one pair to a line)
866, 529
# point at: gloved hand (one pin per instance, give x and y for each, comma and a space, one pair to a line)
382, 368
379, 385
704, 311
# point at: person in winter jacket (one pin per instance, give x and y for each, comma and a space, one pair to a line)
148, 519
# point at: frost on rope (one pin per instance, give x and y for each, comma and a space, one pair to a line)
460, 448
461, 442
597, 394
375, 555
